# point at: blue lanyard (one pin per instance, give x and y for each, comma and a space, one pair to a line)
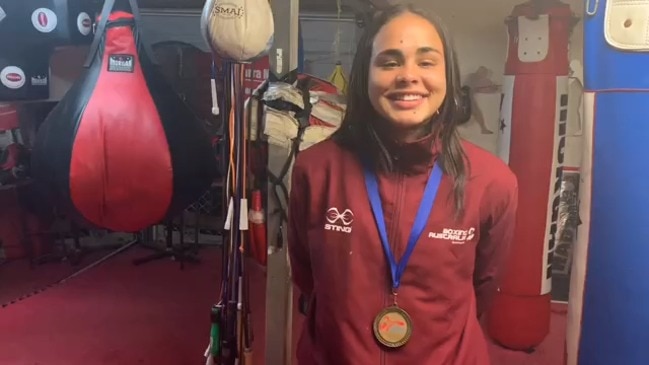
425, 207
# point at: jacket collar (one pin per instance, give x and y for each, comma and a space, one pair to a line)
414, 157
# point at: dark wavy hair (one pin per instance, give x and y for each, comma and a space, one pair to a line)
358, 131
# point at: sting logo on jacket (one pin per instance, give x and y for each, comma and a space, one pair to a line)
338, 221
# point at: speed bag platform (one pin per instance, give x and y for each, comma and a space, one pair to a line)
122, 151
51, 22
24, 74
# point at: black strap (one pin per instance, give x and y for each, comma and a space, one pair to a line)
289, 78
146, 47
277, 181
302, 116
99, 31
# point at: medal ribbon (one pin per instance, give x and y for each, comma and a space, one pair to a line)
423, 213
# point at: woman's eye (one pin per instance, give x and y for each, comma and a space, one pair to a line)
427, 63
390, 64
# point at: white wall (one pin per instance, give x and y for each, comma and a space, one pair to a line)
485, 44
319, 38
487, 49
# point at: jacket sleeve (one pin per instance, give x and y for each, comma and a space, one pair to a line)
298, 248
496, 236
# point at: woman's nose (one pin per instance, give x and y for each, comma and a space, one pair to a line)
407, 75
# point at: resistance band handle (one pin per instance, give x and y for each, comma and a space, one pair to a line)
215, 332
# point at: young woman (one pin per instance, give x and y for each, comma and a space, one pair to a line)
397, 226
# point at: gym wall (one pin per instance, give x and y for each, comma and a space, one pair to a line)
479, 43
319, 36
318, 31
480, 37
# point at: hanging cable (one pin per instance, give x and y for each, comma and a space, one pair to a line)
338, 77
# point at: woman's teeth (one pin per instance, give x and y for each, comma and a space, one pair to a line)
408, 97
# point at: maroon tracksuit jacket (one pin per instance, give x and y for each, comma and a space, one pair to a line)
341, 264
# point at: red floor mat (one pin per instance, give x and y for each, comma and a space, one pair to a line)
120, 314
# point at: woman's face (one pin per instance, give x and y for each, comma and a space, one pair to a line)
407, 73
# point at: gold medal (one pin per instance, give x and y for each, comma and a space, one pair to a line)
393, 327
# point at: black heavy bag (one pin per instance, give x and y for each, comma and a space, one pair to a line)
122, 151
51, 22
24, 73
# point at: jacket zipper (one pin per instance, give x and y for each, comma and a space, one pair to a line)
392, 241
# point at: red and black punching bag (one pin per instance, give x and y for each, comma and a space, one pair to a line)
122, 151
533, 140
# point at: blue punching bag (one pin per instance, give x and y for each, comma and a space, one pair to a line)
608, 319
